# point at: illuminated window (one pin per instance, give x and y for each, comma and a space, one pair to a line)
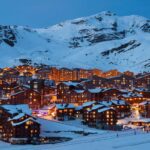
60, 111
31, 131
107, 116
29, 122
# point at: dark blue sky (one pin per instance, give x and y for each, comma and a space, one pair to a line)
43, 13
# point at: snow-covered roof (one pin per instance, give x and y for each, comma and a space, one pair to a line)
96, 90
79, 91
130, 94
79, 108
12, 109
97, 106
63, 106
141, 89
71, 83
124, 91
108, 89
20, 115
119, 102
104, 109
106, 103
86, 104
22, 122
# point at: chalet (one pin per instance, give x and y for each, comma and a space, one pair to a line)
86, 107
7, 88
13, 95
106, 118
17, 125
122, 108
79, 112
131, 97
49, 95
144, 109
65, 111
122, 81
78, 97
35, 95
96, 82
65, 87
143, 91
95, 94
93, 114
143, 81
101, 116
33, 99
18, 97
111, 93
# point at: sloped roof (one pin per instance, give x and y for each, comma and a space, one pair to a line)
63, 106
12, 109
104, 109
24, 121
86, 104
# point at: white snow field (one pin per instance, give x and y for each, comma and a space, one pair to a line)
104, 141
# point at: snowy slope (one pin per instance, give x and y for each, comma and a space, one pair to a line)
60, 129
104, 40
125, 141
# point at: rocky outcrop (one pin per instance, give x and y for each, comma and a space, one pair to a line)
7, 35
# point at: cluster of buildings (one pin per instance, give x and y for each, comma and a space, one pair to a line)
16, 88
99, 114
83, 91
98, 98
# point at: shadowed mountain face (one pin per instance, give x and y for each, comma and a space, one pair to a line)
105, 41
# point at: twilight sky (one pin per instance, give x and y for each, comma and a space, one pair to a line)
43, 13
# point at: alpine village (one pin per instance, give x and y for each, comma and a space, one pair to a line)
98, 99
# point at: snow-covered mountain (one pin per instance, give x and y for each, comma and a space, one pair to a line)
104, 41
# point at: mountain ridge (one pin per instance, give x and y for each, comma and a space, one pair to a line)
105, 41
